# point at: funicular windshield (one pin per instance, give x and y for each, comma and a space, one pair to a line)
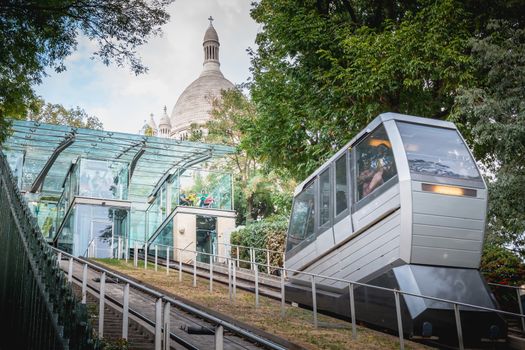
302, 218
433, 151
375, 162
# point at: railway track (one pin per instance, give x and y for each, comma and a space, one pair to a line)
191, 326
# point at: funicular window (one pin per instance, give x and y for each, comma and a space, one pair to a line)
341, 185
324, 197
303, 218
375, 162
436, 151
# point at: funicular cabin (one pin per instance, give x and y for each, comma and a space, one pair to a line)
402, 206
93, 191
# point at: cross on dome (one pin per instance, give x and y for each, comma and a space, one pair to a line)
211, 20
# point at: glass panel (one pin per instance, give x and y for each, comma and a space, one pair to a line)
302, 218
324, 198
437, 152
375, 162
65, 240
164, 239
103, 179
138, 226
341, 185
102, 236
199, 188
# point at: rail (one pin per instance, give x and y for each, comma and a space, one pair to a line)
232, 263
163, 305
37, 306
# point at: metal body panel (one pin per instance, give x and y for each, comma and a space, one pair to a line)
373, 210
324, 241
343, 229
447, 230
361, 256
305, 255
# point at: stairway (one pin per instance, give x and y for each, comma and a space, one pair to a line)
138, 337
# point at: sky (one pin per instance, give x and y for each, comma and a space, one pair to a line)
123, 101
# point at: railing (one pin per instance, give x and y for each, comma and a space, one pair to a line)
232, 263
264, 256
163, 304
37, 307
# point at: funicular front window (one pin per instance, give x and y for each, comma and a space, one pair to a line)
440, 152
302, 219
375, 162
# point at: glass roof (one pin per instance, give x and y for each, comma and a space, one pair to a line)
38, 142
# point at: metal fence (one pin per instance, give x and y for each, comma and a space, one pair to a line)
231, 262
37, 307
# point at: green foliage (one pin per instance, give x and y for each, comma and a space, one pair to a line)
269, 233
114, 344
323, 69
492, 117
57, 114
502, 266
37, 35
258, 191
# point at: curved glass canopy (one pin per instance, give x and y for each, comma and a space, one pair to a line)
48, 151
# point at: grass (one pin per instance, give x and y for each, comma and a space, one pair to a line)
297, 326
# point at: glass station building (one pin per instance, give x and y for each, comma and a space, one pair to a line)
90, 189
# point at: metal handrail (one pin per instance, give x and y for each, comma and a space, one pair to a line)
351, 284
202, 314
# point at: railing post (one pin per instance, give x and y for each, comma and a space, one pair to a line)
70, 271
352, 310
167, 315
145, 255
521, 309
238, 264
125, 312
180, 265
229, 262
314, 301
219, 337
158, 324
234, 277
156, 256
283, 297
84, 283
119, 248
59, 258
126, 249
112, 247
211, 274
136, 255
399, 321
251, 258
167, 260
267, 261
195, 270
256, 273
102, 292
458, 326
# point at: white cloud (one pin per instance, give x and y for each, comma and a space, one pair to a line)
122, 100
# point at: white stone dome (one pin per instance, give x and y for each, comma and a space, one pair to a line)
195, 103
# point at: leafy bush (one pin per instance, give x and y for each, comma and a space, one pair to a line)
269, 233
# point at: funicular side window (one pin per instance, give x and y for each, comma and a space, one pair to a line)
302, 221
324, 198
341, 185
374, 163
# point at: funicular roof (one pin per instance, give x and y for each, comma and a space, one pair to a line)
154, 156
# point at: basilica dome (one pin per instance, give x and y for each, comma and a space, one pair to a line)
195, 102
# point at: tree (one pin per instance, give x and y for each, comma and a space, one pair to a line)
492, 117
323, 69
58, 114
258, 191
36, 35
